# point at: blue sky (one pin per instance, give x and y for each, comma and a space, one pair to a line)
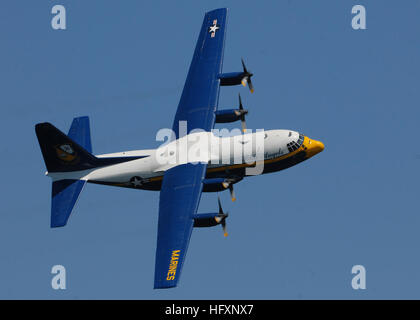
294, 234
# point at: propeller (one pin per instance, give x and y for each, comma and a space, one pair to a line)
229, 184
247, 77
221, 218
243, 113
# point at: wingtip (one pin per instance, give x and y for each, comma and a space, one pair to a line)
56, 226
218, 9
157, 287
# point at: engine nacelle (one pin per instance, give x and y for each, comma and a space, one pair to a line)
235, 78
232, 78
206, 220
229, 115
218, 184
214, 185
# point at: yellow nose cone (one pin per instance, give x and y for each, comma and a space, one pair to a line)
314, 147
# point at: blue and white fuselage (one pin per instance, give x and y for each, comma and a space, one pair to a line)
227, 157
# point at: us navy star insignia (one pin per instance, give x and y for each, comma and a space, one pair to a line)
136, 181
214, 28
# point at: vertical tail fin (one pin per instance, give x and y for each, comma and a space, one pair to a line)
80, 133
73, 152
66, 153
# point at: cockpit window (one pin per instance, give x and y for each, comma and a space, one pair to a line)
294, 145
300, 140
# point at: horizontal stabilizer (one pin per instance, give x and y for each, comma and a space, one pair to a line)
63, 198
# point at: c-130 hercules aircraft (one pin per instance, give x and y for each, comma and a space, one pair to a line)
70, 162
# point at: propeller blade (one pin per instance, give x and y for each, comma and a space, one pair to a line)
243, 65
247, 77
232, 193
250, 85
243, 112
223, 217
224, 228
243, 123
220, 206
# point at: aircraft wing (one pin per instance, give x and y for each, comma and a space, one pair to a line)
179, 199
182, 185
200, 96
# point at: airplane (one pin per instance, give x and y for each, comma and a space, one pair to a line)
71, 164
